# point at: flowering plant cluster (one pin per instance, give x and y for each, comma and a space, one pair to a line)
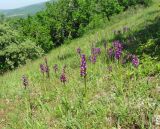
117, 49
63, 75
83, 71
96, 51
114, 51
135, 61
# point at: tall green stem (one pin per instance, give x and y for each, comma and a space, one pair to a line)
85, 83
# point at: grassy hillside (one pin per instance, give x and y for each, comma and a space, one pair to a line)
24, 11
117, 96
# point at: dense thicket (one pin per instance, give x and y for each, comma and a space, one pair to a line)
27, 38
14, 49
67, 19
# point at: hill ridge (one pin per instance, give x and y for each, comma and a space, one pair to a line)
24, 11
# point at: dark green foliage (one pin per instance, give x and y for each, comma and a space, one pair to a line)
110, 7
127, 3
14, 50
61, 21
8, 36
68, 19
37, 28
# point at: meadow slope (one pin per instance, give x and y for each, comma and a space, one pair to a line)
117, 96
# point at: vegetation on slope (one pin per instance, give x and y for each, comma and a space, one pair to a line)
119, 97
62, 21
15, 49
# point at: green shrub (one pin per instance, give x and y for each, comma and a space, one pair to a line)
14, 50
8, 36
17, 54
110, 7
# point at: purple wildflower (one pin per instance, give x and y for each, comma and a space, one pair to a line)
25, 81
93, 59
118, 54
118, 49
95, 51
83, 71
98, 51
135, 61
117, 45
63, 78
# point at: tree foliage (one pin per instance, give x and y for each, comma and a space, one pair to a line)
28, 38
14, 50
68, 19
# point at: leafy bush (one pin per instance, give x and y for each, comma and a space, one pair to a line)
110, 7
8, 36
14, 50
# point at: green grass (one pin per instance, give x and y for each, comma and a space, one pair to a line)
126, 98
